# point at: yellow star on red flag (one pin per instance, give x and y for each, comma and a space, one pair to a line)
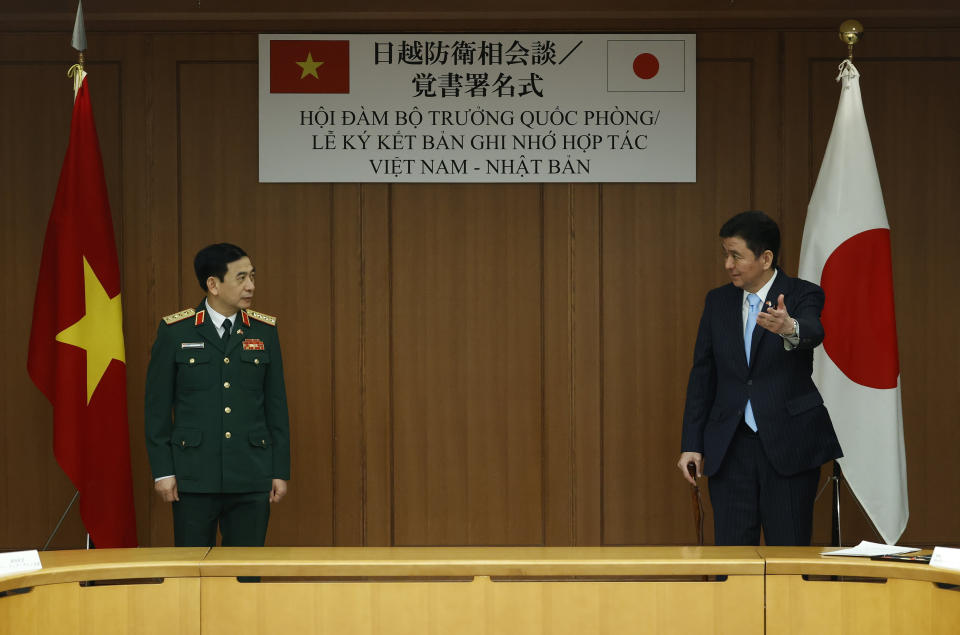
99, 331
309, 67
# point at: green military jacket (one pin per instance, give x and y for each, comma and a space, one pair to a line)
229, 431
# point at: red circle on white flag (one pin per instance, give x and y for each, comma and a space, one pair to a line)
646, 66
860, 328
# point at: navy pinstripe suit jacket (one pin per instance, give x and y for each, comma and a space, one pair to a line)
794, 427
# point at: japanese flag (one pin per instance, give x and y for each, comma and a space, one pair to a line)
646, 65
846, 249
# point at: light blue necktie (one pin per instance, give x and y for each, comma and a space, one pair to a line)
754, 301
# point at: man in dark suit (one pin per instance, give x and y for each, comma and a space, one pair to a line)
225, 455
756, 424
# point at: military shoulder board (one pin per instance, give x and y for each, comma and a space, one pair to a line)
262, 317
177, 317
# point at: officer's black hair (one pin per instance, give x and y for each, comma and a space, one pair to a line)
758, 230
212, 260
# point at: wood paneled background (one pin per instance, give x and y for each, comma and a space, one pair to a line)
475, 364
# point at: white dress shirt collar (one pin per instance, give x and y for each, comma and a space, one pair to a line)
218, 318
764, 290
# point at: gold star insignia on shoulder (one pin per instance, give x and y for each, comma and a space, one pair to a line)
262, 317
180, 315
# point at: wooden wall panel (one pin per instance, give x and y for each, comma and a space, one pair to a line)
376, 257
572, 438
586, 388
467, 271
347, 391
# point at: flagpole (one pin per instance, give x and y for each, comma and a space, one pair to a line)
63, 516
850, 32
846, 249
76, 73
79, 44
835, 538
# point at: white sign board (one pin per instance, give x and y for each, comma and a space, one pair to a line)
464, 108
946, 558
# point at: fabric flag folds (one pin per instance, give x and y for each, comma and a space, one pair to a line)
846, 249
76, 355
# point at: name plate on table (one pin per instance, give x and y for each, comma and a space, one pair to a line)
19, 562
946, 558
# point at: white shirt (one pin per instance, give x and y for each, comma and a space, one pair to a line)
218, 319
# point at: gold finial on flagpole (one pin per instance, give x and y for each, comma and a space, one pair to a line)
850, 33
76, 73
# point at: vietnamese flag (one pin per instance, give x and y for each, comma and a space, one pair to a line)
76, 355
310, 66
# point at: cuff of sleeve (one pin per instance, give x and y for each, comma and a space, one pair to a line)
790, 342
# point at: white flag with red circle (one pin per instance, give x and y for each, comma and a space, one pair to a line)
846, 250
647, 64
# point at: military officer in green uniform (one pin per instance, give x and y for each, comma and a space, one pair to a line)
224, 455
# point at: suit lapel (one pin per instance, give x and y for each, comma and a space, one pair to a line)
732, 316
235, 337
240, 331
206, 329
209, 331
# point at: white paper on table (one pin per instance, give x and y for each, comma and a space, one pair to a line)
945, 558
867, 549
19, 561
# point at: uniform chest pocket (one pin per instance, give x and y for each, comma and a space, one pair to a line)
252, 368
194, 371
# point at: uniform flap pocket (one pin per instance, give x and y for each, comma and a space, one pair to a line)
187, 437
255, 357
192, 356
803, 403
260, 438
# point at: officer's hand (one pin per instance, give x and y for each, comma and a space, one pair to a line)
167, 488
697, 459
776, 319
278, 491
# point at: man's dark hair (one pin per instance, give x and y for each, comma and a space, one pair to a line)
758, 230
212, 260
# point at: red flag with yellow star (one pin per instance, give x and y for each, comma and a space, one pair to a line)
76, 355
310, 66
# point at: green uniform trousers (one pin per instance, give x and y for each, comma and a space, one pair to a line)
242, 519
